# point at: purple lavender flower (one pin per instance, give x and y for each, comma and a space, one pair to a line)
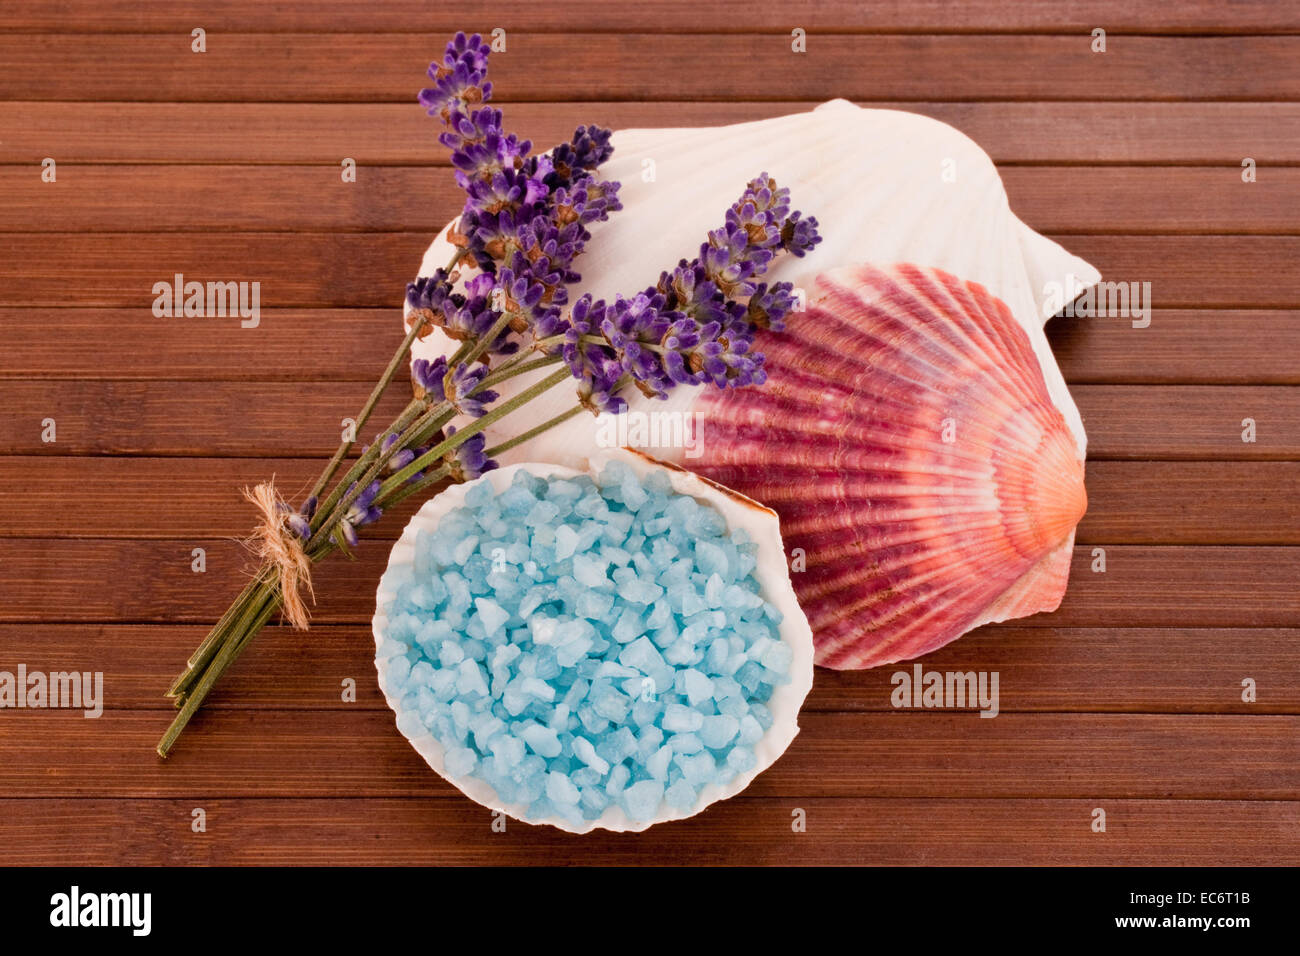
587, 150
768, 306
428, 377
362, 512
431, 381
459, 80
429, 298
592, 363
469, 460
300, 521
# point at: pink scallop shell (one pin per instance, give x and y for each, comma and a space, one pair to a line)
920, 469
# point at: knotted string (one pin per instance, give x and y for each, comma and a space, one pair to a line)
276, 543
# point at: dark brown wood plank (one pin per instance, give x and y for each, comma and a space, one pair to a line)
360, 753
1148, 670
390, 67
1180, 346
265, 419
1128, 132
158, 198
137, 581
741, 831
1129, 502
354, 269
1223, 347
671, 16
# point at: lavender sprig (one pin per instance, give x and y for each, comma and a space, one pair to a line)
524, 224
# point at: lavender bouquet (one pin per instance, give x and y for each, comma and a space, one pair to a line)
504, 298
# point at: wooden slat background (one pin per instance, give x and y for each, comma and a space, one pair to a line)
226, 164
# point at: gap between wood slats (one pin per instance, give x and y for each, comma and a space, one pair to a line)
452, 831
360, 753
1027, 132
1130, 502
370, 269
669, 16
1179, 347
1043, 670
278, 419
330, 68
152, 198
95, 580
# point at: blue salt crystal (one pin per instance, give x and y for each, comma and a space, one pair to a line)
463, 549
460, 761
680, 796
690, 601
751, 731
777, 657
679, 718
719, 730
592, 722
642, 655
649, 740
409, 723
399, 669
616, 556
697, 687
634, 496
641, 800
734, 706
491, 614
618, 778
741, 759
594, 801
628, 628
584, 751
645, 712
680, 653
450, 653
612, 705
560, 789
750, 676
724, 686
589, 570
657, 764
566, 542
685, 743
697, 768
617, 746
667, 635
711, 558
586, 777
508, 750
470, 681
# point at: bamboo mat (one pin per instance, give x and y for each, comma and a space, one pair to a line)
226, 164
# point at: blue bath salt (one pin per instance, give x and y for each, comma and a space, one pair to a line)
579, 644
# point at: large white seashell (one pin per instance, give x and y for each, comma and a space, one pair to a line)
739, 512
886, 187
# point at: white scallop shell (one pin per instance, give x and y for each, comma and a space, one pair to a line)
763, 528
886, 186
